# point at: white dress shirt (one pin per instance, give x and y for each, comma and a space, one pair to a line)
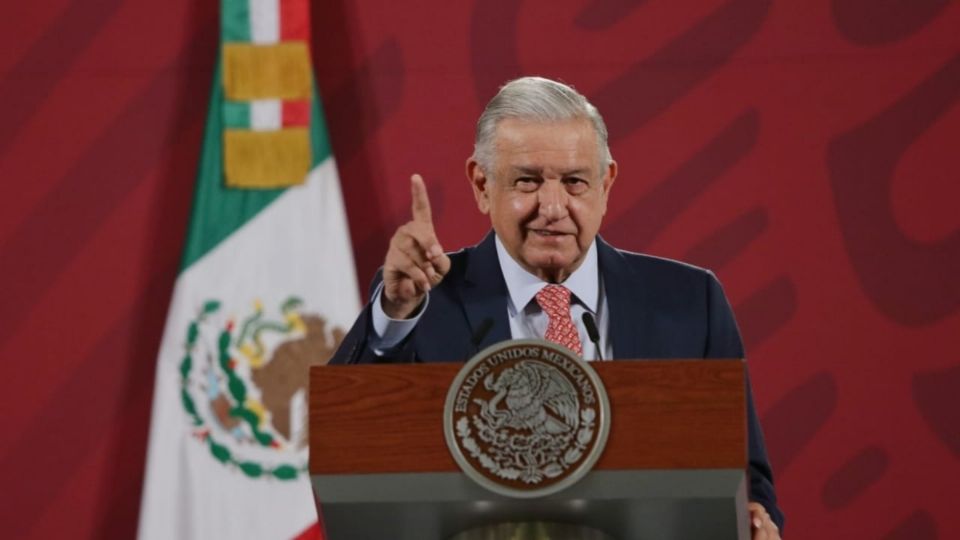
527, 319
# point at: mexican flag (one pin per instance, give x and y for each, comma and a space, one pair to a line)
266, 289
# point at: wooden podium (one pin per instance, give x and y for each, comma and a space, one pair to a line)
673, 467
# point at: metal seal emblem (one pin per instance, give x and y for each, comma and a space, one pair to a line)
526, 418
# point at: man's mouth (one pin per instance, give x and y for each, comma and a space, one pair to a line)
547, 233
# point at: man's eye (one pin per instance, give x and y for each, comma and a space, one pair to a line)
576, 185
527, 183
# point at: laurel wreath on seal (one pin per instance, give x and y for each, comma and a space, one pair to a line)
238, 391
539, 453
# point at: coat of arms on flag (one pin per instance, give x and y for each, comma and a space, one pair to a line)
244, 384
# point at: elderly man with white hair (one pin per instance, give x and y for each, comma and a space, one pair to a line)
542, 170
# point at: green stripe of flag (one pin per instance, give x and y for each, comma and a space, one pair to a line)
235, 21
217, 210
236, 114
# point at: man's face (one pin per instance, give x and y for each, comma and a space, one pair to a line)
546, 194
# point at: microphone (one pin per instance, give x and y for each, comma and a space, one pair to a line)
481, 332
591, 325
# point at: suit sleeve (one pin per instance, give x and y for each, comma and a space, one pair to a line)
355, 347
723, 341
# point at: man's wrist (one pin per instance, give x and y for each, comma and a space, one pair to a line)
388, 332
400, 311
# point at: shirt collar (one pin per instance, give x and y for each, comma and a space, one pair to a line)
522, 286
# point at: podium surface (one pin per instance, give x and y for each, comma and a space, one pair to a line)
673, 466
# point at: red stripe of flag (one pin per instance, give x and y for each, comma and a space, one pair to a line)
295, 20
295, 113
314, 532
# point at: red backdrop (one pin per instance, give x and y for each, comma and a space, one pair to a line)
806, 151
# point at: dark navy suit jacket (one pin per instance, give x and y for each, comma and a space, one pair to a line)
658, 308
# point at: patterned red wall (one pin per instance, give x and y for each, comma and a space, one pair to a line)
806, 151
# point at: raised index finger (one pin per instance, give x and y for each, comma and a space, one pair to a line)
420, 206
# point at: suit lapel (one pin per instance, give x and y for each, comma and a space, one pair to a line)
484, 294
624, 293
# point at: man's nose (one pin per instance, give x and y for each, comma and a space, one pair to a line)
553, 200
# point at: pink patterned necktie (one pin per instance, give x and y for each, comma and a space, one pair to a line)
555, 302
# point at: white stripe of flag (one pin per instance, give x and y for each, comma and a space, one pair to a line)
266, 114
264, 21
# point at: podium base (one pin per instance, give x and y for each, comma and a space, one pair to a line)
700, 504
538, 530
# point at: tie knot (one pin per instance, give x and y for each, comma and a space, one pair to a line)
554, 298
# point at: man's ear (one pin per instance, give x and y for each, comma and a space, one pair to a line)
609, 176
479, 183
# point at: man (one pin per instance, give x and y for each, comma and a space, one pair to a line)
542, 170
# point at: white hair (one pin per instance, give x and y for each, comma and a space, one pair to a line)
541, 100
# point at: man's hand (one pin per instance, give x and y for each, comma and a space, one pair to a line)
761, 525
415, 260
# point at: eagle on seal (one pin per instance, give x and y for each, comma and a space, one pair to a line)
537, 396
